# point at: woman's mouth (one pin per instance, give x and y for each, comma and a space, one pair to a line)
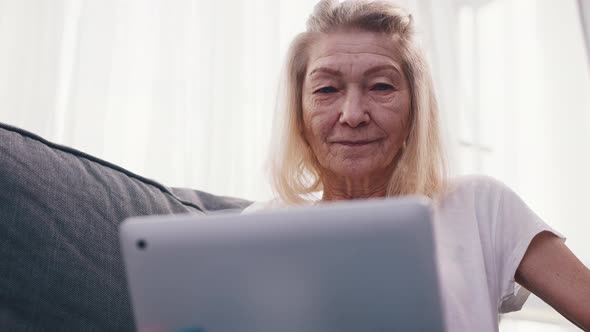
356, 142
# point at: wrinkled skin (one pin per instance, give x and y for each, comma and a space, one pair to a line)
356, 110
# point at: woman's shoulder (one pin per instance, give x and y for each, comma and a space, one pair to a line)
475, 184
479, 190
477, 180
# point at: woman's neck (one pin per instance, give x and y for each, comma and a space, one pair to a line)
344, 188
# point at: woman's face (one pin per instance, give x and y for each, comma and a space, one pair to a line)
356, 103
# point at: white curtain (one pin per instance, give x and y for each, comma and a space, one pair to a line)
524, 103
179, 91
584, 7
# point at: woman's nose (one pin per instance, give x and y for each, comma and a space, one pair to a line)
353, 112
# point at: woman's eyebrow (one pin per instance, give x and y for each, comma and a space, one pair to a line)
326, 70
380, 68
369, 71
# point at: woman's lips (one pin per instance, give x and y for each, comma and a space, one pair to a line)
355, 143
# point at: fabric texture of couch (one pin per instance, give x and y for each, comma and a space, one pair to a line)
60, 266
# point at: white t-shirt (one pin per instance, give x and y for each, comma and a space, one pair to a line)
482, 230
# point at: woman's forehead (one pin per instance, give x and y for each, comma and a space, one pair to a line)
341, 50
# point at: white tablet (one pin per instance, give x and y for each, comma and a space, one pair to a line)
345, 267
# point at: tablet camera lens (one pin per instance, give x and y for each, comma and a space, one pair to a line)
141, 244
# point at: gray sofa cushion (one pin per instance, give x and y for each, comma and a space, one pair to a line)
60, 267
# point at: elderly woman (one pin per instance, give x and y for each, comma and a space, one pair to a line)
360, 121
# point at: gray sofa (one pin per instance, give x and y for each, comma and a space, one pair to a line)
60, 267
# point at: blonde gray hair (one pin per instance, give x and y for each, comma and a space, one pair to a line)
420, 167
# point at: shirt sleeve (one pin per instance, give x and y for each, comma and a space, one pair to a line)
515, 227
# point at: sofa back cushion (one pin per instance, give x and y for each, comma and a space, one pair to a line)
60, 266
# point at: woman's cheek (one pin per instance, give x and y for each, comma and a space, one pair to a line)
319, 125
312, 122
323, 108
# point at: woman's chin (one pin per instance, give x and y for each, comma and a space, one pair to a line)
354, 168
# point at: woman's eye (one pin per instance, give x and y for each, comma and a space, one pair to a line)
382, 87
326, 89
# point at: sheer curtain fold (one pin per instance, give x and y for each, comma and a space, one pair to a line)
182, 92
584, 9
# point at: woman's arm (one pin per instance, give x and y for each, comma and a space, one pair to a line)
553, 273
